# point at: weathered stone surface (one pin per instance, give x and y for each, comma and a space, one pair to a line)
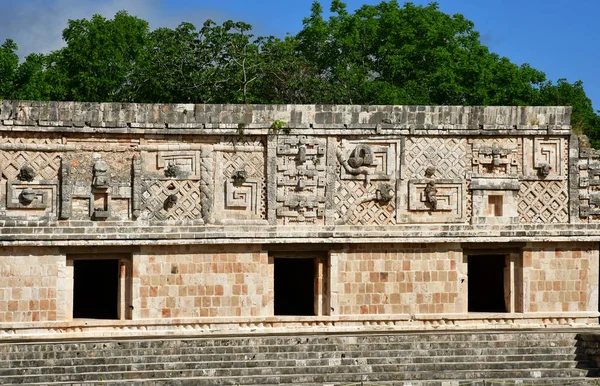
196, 204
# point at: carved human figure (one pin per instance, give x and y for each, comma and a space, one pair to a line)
430, 195
430, 188
101, 179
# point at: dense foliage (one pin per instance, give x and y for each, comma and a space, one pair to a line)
380, 54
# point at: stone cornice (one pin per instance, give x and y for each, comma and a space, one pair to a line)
178, 119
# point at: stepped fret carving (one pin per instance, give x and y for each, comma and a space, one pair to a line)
242, 176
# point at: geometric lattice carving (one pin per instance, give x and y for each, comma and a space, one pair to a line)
301, 179
447, 155
242, 199
350, 205
543, 202
156, 192
45, 164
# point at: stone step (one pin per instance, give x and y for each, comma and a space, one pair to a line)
574, 381
226, 367
258, 353
338, 375
287, 341
66, 348
380, 357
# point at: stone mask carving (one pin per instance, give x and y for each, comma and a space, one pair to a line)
27, 196
101, 179
170, 201
544, 170
172, 170
26, 173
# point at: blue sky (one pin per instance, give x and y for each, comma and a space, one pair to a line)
559, 37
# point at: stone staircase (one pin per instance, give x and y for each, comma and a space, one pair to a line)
423, 359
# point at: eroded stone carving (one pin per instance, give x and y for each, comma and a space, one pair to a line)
27, 196
544, 170
172, 170
170, 201
431, 195
239, 177
301, 179
26, 173
101, 178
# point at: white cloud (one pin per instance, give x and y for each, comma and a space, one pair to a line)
37, 25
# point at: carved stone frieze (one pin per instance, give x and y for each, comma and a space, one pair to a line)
240, 178
301, 180
543, 202
435, 201
496, 156
171, 200
359, 195
545, 158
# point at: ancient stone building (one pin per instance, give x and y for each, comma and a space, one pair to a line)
121, 219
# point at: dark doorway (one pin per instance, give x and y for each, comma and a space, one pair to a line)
486, 283
95, 289
294, 286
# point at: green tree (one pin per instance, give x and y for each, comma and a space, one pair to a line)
9, 62
216, 64
392, 54
584, 120
99, 58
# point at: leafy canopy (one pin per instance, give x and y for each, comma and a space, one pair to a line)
380, 54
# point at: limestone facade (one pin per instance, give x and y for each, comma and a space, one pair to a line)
240, 218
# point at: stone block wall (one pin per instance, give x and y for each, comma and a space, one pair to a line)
196, 201
387, 279
32, 288
192, 282
561, 278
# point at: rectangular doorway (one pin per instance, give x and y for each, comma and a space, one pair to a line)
294, 287
300, 283
96, 289
101, 286
486, 287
